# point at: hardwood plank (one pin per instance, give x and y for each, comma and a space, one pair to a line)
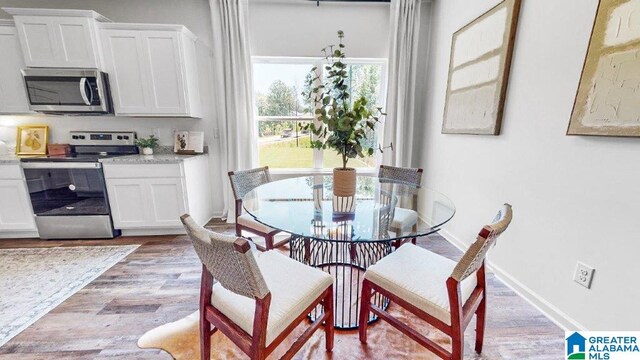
159, 283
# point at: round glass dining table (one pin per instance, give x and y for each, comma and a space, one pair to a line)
344, 235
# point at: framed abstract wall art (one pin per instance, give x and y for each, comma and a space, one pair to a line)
479, 72
608, 98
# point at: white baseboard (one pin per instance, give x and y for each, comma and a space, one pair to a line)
554, 314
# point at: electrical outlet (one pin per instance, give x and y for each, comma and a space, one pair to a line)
583, 274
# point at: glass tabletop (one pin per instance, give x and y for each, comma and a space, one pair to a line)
306, 207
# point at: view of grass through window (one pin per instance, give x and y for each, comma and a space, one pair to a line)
280, 107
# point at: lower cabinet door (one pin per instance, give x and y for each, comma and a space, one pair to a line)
147, 203
168, 201
129, 203
15, 208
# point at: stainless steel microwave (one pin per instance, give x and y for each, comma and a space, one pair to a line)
68, 91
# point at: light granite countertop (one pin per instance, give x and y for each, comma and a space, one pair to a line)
9, 159
150, 159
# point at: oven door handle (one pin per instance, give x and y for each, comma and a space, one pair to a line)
83, 91
60, 165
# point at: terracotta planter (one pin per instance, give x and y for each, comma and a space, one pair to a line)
344, 182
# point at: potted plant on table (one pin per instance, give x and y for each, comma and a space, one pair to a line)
147, 144
342, 124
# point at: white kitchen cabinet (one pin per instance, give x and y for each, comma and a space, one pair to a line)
146, 203
129, 199
59, 38
16, 215
152, 69
168, 201
148, 199
13, 97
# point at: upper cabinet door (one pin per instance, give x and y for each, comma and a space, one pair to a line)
125, 63
78, 42
38, 40
13, 97
58, 38
151, 69
166, 72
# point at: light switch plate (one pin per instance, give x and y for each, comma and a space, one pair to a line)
583, 274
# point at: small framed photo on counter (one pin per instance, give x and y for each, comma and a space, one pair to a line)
32, 140
188, 142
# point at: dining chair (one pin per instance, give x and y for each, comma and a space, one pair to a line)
437, 290
258, 298
404, 218
242, 182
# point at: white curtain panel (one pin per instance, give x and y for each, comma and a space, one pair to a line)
399, 124
233, 81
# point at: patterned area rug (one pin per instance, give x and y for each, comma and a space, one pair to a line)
181, 340
34, 281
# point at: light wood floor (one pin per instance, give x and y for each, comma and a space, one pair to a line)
159, 283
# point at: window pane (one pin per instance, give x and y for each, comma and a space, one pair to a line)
278, 94
364, 80
283, 145
278, 89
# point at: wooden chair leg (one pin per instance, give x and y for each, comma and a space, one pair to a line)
365, 300
206, 289
258, 354
205, 337
329, 322
457, 345
480, 324
238, 230
414, 229
268, 242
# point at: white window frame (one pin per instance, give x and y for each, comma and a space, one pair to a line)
317, 154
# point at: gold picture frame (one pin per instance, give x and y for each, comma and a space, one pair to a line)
32, 140
479, 66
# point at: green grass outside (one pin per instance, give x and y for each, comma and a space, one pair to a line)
285, 154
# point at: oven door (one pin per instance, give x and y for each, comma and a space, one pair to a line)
66, 90
66, 189
69, 200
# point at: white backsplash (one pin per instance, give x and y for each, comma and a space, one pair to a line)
60, 126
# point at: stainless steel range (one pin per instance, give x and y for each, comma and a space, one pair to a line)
68, 193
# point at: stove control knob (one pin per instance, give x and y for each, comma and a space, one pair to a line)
81, 137
74, 137
119, 137
126, 137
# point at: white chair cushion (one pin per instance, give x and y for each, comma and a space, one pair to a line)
250, 222
419, 277
404, 218
293, 286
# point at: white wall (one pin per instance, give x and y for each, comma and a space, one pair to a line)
195, 15
574, 198
300, 28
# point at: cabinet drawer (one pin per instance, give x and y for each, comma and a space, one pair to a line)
10, 172
131, 171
